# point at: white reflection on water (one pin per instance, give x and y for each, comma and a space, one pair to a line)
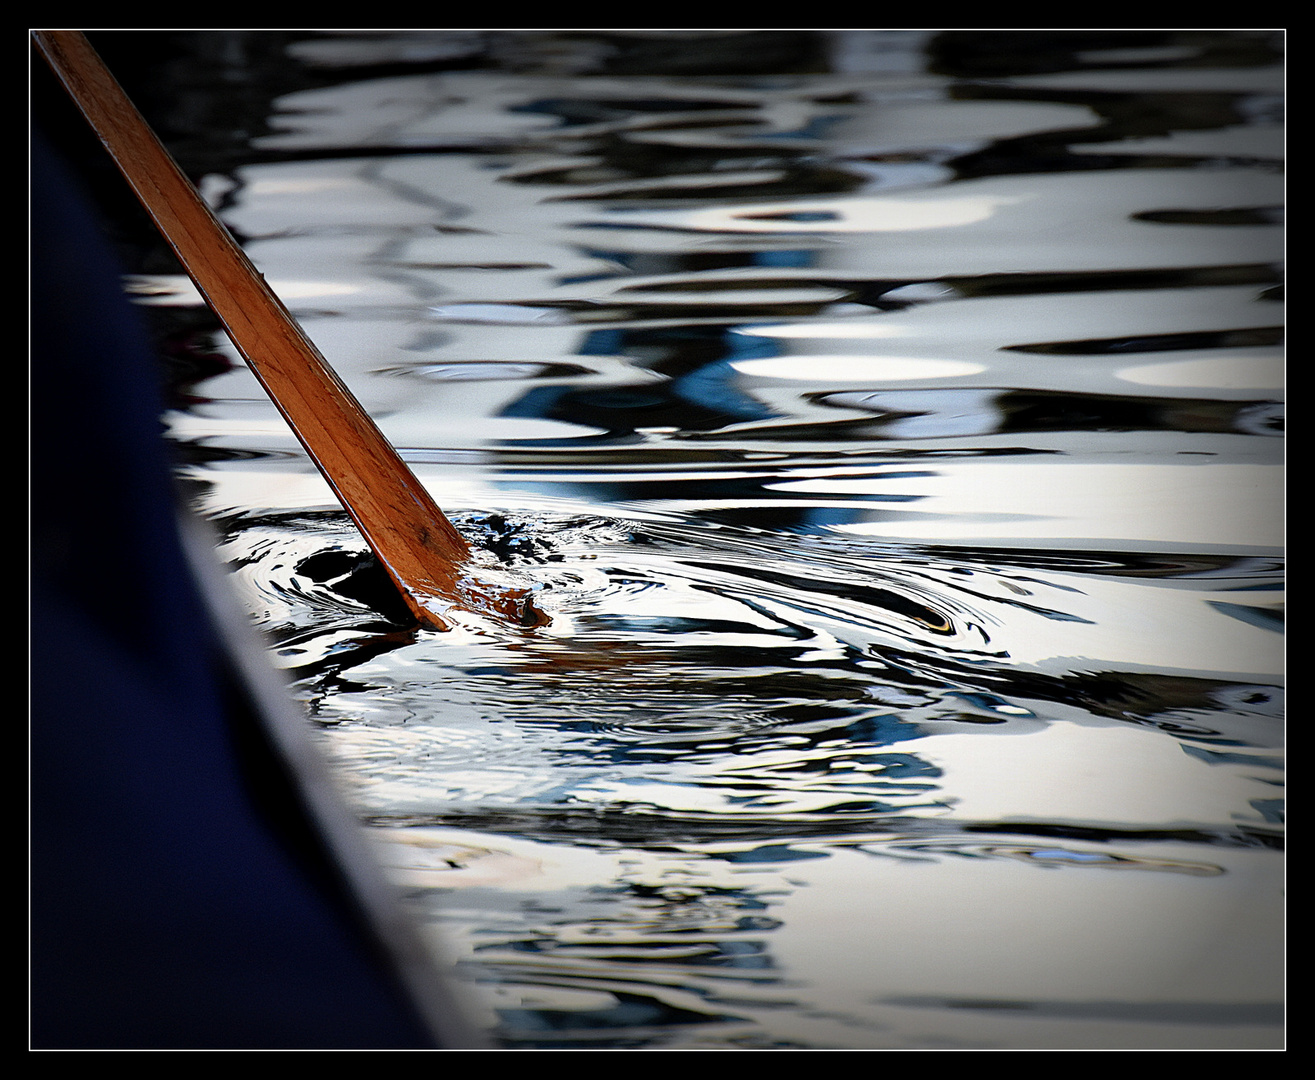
868, 368
1262, 372
1109, 505
855, 215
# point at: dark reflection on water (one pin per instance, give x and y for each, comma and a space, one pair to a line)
888, 422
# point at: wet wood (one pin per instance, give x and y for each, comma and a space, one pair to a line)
422, 552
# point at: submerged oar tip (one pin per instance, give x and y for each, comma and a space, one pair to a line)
512, 606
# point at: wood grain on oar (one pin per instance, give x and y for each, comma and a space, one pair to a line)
422, 552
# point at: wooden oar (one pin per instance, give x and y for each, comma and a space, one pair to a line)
422, 552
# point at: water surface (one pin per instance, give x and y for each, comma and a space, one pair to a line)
891, 425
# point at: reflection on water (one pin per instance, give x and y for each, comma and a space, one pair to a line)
889, 422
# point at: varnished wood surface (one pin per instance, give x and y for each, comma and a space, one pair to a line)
424, 555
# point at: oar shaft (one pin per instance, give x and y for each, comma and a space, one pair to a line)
416, 543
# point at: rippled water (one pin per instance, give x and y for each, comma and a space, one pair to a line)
891, 425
